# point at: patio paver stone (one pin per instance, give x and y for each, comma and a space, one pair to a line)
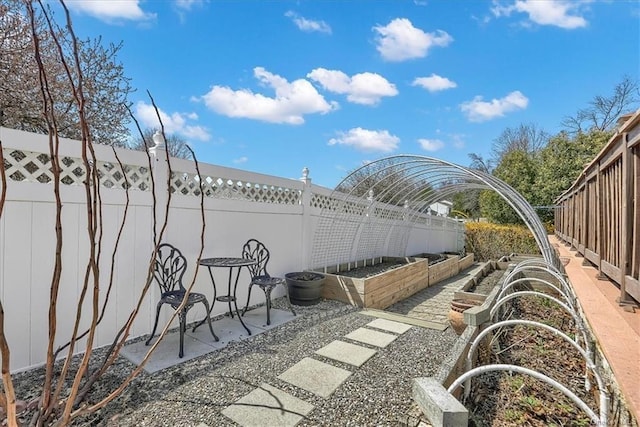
403, 318
371, 337
341, 351
201, 342
317, 377
389, 326
268, 406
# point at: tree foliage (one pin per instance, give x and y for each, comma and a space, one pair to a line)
479, 163
518, 169
467, 202
527, 138
540, 166
515, 156
562, 160
105, 86
543, 175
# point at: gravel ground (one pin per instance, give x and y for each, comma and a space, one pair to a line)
378, 393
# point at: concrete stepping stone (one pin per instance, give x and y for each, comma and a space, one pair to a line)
317, 377
403, 319
389, 325
369, 336
344, 352
268, 406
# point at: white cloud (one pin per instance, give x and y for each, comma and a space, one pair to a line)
558, 13
400, 40
292, 100
109, 11
431, 144
363, 88
175, 123
478, 110
241, 160
308, 25
367, 140
188, 4
434, 83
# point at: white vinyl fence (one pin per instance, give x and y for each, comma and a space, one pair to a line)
239, 205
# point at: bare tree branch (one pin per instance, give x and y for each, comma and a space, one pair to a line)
603, 112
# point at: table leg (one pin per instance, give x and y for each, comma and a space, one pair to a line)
229, 297
235, 300
229, 294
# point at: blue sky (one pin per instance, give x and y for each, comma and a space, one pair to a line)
275, 86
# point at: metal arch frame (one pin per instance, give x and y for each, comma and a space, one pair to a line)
440, 177
586, 354
401, 197
574, 315
519, 369
561, 279
535, 279
518, 294
538, 262
519, 269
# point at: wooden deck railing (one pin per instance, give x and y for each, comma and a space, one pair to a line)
599, 216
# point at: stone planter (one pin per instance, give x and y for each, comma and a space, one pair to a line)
305, 287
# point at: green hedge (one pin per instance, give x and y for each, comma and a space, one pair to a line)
492, 241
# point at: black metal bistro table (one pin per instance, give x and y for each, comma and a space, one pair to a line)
230, 263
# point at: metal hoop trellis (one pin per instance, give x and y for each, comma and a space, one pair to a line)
358, 222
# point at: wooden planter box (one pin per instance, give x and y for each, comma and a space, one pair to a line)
391, 286
444, 269
381, 290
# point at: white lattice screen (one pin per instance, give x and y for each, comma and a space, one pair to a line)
188, 184
29, 166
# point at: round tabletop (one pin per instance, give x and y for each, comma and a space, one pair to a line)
227, 262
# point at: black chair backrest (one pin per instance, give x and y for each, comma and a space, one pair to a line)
169, 268
253, 249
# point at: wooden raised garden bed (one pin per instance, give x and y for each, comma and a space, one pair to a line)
380, 290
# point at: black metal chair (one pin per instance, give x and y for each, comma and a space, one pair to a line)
170, 266
254, 249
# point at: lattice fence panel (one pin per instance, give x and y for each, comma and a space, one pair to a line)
29, 166
389, 213
189, 184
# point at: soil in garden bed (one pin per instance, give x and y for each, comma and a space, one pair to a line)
487, 283
371, 270
504, 399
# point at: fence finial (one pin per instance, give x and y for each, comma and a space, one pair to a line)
158, 138
305, 175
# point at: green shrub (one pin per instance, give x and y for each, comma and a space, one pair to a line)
492, 241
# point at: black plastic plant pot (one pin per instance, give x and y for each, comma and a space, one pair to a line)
305, 287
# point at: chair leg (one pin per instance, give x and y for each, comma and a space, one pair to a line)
267, 296
206, 305
183, 326
248, 298
155, 324
286, 290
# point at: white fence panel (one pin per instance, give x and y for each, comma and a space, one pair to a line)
238, 205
